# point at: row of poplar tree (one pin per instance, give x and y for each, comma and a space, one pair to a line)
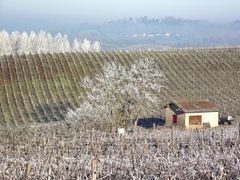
42, 42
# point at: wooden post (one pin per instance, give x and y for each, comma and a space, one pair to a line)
126, 123
94, 169
49, 172
117, 122
136, 121
50, 167
133, 156
27, 170
145, 147
121, 123
239, 131
113, 128
222, 149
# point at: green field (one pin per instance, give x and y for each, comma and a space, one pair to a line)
41, 88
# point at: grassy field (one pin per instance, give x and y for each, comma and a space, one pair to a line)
40, 88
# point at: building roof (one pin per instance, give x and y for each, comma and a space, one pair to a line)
191, 106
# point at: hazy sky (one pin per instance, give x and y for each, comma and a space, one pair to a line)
101, 10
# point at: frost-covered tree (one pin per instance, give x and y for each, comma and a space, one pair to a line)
58, 43
5, 43
42, 42
14, 38
42, 45
119, 89
66, 44
22, 45
50, 47
33, 41
96, 47
75, 46
86, 45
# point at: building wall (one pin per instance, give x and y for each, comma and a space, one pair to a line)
207, 117
183, 120
169, 118
169, 115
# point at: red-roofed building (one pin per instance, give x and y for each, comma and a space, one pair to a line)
192, 114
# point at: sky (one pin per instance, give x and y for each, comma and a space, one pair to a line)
104, 10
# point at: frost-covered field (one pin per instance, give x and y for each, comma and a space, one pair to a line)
65, 152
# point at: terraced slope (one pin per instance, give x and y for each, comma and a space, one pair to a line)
40, 88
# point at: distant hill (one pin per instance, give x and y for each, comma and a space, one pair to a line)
41, 88
142, 32
238, 21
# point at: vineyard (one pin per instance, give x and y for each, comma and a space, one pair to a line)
63, 152
41, 88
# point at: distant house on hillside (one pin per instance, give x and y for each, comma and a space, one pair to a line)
192, 114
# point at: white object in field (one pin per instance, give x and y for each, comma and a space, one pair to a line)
230, 118
121, 131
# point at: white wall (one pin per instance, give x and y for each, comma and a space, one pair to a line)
183, 120
211, 117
